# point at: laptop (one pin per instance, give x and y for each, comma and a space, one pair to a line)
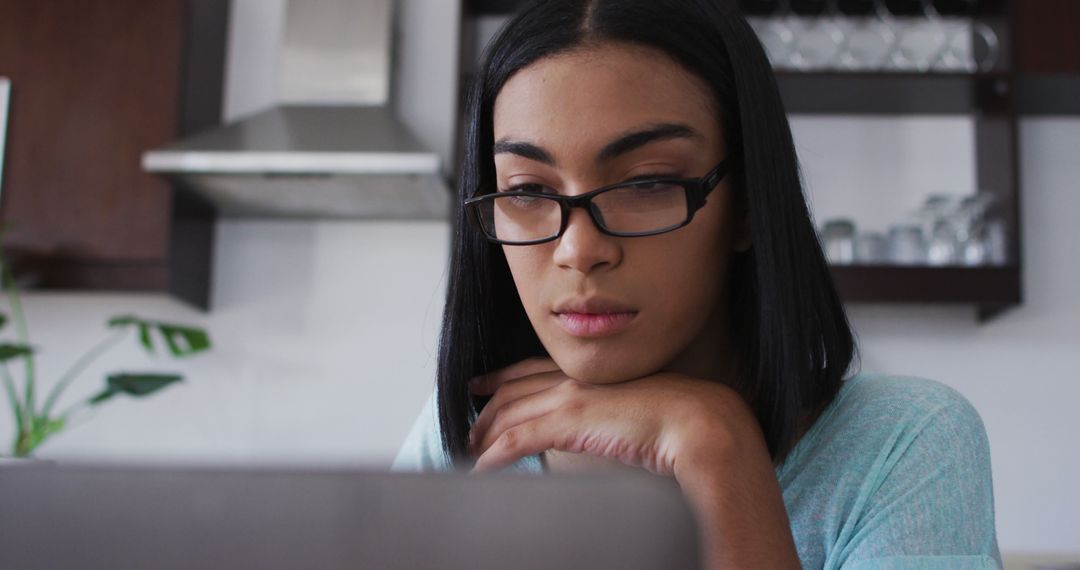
87, 516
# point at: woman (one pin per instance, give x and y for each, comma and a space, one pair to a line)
636, 282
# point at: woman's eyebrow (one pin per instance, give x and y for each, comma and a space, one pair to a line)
640, 138
524, 149
622, 145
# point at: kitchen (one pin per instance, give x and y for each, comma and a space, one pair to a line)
313, 316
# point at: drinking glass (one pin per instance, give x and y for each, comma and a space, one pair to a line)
907, 245
996, 239
817, 43
935, 207
838, 237
986, 48
870, 43
943, 247
871, 248
970, 222
920, 40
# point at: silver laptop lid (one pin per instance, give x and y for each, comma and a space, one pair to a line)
90, 517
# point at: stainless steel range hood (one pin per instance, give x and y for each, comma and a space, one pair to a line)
333, 147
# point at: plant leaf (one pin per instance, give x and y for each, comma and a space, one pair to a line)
102, 396
3, 320
10, 351
196, 340
144, 329
144, 337
123, 321
45, 426
137, 385
42, 428
140, 384
181, 340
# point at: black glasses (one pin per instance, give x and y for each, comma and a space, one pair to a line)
627, 209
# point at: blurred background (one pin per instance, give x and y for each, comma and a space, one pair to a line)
278, 172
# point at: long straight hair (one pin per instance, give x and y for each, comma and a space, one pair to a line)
792, 340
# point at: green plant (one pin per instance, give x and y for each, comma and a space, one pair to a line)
33, 424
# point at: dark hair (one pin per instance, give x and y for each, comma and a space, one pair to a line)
792, 339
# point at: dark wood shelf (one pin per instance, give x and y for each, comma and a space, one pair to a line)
838, 92
991, 288
1048, 94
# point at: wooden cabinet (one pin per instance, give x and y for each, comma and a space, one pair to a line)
1047, 38
93, 85
1048, 56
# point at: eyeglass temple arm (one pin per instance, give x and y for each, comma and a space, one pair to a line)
715, 176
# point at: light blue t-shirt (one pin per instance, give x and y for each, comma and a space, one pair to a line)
894, 474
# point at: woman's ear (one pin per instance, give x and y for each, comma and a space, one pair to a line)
744, 236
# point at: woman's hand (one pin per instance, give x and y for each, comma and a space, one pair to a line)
701, 432
665, 423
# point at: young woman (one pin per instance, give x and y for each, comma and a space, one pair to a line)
635, 282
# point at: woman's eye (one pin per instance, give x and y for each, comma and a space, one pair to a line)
657, 176
539, 188
641, 182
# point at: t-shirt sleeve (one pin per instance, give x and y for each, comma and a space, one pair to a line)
422, 450
929, 500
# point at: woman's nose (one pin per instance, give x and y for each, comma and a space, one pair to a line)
584, 248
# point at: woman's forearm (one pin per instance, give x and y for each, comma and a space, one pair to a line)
740, 510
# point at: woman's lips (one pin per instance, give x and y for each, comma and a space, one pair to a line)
592, 325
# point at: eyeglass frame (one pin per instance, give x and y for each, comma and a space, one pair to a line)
697, 191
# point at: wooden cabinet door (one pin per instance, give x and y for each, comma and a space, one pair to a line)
1047, 38
93, 85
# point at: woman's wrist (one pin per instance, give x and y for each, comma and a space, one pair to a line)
730, 484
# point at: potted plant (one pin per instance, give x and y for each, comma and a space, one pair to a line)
37, 423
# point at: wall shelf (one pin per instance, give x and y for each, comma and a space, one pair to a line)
891, 93
991, 289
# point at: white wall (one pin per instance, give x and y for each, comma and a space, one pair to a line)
325, 332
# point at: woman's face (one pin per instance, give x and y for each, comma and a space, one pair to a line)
561, 113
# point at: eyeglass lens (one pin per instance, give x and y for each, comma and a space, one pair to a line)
631, 209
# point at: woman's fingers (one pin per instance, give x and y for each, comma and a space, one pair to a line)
511, 391
567, 397
547, 431
490, 382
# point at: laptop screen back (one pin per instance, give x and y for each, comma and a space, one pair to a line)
139, 517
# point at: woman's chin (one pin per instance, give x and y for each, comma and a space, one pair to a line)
598, 370
603, 361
